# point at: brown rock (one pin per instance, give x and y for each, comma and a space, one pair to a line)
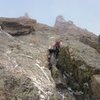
18, 26
69, 28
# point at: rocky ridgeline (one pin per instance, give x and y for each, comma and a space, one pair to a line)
68, 27
24, 73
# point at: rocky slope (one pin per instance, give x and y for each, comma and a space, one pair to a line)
68, 27
83, 47
24, 73
71, 36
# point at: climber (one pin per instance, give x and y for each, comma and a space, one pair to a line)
51, 51
54, 49
57, 46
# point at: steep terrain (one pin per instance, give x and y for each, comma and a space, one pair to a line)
79, 40
82, 54
24, 73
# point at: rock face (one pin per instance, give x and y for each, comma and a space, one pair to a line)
68, 27
24, 73
84, 52
18, 26
62, 25
84, 48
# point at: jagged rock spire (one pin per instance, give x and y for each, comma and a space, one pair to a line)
60, 18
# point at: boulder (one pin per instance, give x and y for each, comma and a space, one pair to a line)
18, 26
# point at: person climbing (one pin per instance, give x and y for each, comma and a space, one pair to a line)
57, 46
53, 51
50, 53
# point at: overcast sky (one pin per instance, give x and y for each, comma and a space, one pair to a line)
84, 13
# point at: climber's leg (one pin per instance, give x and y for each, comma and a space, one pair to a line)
57, 53
50, 66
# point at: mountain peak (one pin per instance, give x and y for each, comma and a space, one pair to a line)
60, 18
62, 25
68, 27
